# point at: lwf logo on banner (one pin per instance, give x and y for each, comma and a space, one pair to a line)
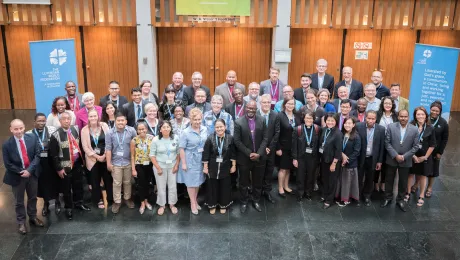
58, 57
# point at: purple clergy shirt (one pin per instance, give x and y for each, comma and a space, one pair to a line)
252, 127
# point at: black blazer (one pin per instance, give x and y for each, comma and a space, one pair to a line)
210, 154
299, 95
441, 131
243, 140
382, 91
122, 100
378, 145
336, 101
12, 159
333, 147
189, 95
356, 90
285, 137
428, 140
230, 108
328, 82
352, 150
273, 129
128, 111
299, 142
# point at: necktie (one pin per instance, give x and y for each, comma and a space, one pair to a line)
138, 111
266, 120
25, 158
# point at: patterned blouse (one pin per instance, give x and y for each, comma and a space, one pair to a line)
142, 149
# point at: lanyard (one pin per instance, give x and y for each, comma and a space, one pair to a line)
230, 96
237, 115
370, 134
306, 135
179, 127
344, 144
420, 137
120, 144
178, 92
154, 133
326, 135
169, 111
143, 144
74, 101
402, 135
273, 91
42, 139
95, 137
435, 122
220, 147
291, 121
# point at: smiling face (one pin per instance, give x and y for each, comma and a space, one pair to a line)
347, 73
146, 88
178, 79
420, 116
238, 95
89, 102
395, 91
216, 106
231, 78
170, 95
376, 78
434, 112
114, 89
305, 82
308, 119
345, 108
165, 130
200, 97
178, 113
387, 104
342, 92
289, 106
65, 120
152, 113
330, 122
40, 122
288, 93
274, 75
110, 109
323, 97
141, 130
93, 117
254, 90
370, 92
136, 96
219, 128
348, 125
311, 99
120, 122
403, 117
251, 109
196, 121
60, 105
70, 88
17, 128
362, 105
197, 78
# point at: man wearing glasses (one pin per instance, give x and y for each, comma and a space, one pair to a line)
113, 96
321, 79
189, 92
73, 96
287, 93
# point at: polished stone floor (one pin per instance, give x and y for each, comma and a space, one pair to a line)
285, 230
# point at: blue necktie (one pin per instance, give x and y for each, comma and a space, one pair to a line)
138, 111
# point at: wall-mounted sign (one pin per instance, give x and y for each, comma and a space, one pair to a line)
204, 19
28, 2
362, 45
361, 55
283, 55
213, 7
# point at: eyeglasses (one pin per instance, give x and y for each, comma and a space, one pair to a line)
196, 79
114, 88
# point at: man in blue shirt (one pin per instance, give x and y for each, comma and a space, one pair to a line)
287, 93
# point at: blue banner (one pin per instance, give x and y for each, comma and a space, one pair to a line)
433, 77
53, 64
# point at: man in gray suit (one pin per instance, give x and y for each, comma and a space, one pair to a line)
401, 143
226, 89
273, 86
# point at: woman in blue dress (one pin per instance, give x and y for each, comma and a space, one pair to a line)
191, 146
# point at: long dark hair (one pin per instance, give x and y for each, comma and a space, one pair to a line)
284, 105
53, 106
427, 119
381, 112
161, 124
353, 130
168, 89
105, 116
334, 116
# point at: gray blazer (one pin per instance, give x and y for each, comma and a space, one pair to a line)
224, 91
408, 147
266, 85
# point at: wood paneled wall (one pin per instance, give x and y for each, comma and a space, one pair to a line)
309, 45
111, 54
4, 89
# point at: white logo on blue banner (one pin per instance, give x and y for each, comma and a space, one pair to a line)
53, 64
433, 77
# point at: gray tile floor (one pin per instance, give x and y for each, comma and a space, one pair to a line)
286, 230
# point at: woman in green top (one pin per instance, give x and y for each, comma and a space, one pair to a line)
140, 163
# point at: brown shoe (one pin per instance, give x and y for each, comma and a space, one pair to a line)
36, 222
129, 203
22, 229
116, 207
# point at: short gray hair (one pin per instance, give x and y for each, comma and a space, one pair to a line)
86, 96
265, 97
217, 98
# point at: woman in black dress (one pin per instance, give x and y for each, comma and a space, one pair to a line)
288, 121
219, 161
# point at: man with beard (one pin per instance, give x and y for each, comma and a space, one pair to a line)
200, 102
253, 93
301, 93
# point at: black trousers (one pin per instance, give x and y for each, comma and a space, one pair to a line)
144, 174
28, 185
306, 174
98, 172
367, 173
402, 182
218, 192
382, 173
268, 173
256, 171
72, 186
329, 180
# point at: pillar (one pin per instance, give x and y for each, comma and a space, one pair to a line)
281, 36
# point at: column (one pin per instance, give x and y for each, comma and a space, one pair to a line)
281, 36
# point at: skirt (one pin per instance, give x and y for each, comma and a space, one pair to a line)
424, 168
348, 185
285, 160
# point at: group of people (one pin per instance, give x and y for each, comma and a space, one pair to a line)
344, 139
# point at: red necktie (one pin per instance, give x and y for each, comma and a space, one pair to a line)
25, 158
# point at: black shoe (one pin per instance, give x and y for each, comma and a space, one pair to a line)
268, 196
243, 208
256, 205
307, 196
402, 206
36, 222
57, 208
385, 203
367, 202
83, 207
68, 214
299, 198
282, 195
289, 192
45, 210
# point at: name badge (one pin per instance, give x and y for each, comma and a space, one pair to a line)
419, 146
75, 151
97, 151
368, 149
200, 150
219, 159
169, 161
209, 121
273, 102
309, 150
44, 154
120, 153
321, 150
146, 163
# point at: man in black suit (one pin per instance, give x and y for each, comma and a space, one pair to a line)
236, 109
134, 110
355, 88
371, 157
342, 95
382, 90
251, 141
321, 79
117, 100
301, 93
21, 156
272, 122
189, 92
200, 102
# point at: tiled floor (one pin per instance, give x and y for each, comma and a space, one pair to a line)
286, 230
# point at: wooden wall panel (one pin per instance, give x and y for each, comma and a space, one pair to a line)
185, 50
352, 14
309, 45
393, 14
22, 14
396, 56
450, 39
111, 54
434, 14
4, 89
311, 13
68, 32
17, 40
362, 69
244, 50
115, 12
72, 12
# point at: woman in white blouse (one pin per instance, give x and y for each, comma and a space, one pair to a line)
60, 105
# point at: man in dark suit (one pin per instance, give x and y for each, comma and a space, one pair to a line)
117, 100
236, 109
200, 102
321, 79
189, 92
73, 97
342, 94
251, 142
301, 93
382, 90
371, 156
135, 110
345, 112
355, 88
272, 122
21, 156
401, 143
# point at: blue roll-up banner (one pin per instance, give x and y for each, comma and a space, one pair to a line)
53, 64
433, 77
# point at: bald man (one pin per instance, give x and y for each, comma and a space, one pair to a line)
21, 156
178, 84
321, 79
189, 92
226, 89
382, 90
287, 93
355, 88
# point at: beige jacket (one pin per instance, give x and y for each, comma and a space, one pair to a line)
90, 158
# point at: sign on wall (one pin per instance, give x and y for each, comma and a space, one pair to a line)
361, 55
362, 45
213, 7
433, 77
53, 64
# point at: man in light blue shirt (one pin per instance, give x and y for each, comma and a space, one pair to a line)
370, 91
288, 93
